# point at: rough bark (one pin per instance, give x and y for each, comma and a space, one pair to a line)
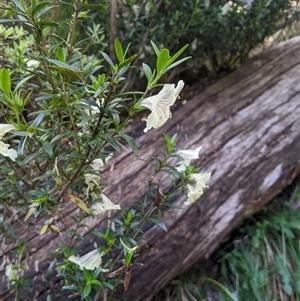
249, 126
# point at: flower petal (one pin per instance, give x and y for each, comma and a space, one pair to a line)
4, 128
5, 151
187, 155
200, 179
89, 261
179, 87
150, 102
105, 205
160, 104
157, 118
98, 163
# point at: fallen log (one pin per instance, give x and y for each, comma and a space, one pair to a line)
248, 124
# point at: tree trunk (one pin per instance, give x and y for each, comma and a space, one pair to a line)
248, 124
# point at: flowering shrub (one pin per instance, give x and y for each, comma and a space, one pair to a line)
62, 123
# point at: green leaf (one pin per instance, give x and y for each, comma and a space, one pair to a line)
44, 23
155, 48
177, 54
112, 142
39, 6
96, 282
47, 97
60, 54
108, 59
23, 81
44, 229
76, 155
128, 258
19, 6
130, 142
158, 223
128, 61
122, 71
5, 82
162, 60
48, 148
116, 117
10, 21
63, 65
86, 291
147, 71
43, 11
31, 157
22, 144
38, 119
119, 51
176, 64
126, 50
101, 89
87, 275
61, 135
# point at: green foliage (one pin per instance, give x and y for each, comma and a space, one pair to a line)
264, 264
221, 33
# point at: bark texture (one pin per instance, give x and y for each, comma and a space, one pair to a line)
248, 124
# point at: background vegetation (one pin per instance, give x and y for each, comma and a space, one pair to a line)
259, 262
221, 33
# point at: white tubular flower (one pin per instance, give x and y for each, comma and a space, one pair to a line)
194, 192
193, 195
98, 163
6, 152
160, 104
200, 179
187, 155
105, 205
5, 128
89, 261
92, 181
4, 148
